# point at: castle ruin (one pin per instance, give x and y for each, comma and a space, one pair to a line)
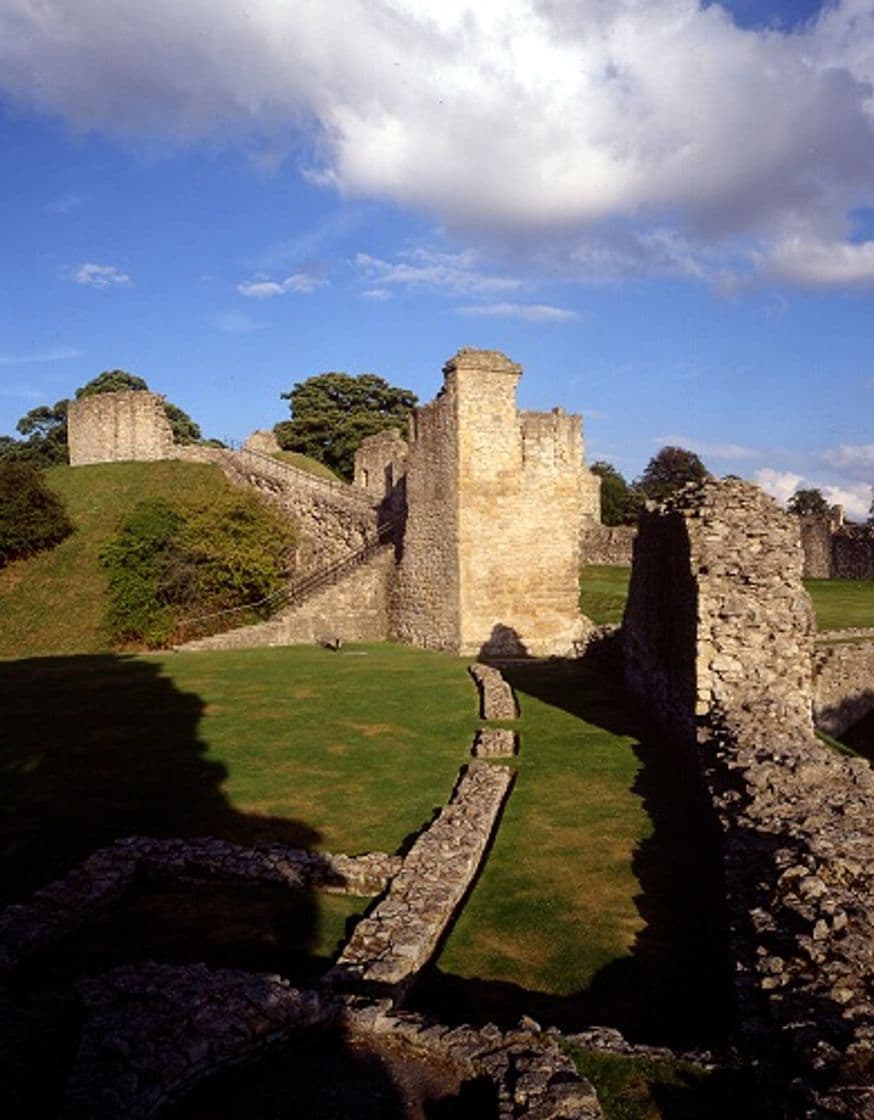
482, 507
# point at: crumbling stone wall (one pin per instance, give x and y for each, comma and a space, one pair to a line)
607, 544
115, 427
843, 685
834, 550
491, 555
731, 675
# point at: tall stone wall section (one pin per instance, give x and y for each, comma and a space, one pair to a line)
491, 554
721, 651
117, 427
834, 550
427, 598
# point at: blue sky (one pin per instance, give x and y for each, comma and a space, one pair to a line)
663, 209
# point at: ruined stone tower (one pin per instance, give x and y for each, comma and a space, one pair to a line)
490, 555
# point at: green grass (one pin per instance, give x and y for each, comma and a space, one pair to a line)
838, 603
603, 591
842, 603
308, 464
54, 603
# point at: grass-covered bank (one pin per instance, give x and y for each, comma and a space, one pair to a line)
838, 603
55, 603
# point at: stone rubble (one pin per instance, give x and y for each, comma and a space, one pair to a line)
152, 1031
843, 685
723, 655
497, 699
56, 909
391, 944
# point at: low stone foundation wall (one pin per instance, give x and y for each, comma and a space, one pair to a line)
153, 1031
843, 685
396, 939
496, 697
58, 908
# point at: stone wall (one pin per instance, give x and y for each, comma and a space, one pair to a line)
114, 427
721, 651
843, 685
612, 545
834, 550
853, 552
354, 608
490, 559
426, 606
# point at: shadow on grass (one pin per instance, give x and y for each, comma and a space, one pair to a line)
675, 987
97, 748
102, 747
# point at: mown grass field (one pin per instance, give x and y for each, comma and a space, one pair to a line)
838, 603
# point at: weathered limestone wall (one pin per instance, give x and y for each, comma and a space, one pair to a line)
843, 685
355, 609
833, 550
426, 605
591, 496
380, 463
723, 656
853, 552
262, 440
607, 544
115, 427
816, 543
333, 518
401, 934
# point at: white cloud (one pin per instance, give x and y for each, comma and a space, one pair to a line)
856, 500
376, 294
452, 273
530, 118
530, 312
301, 283
53, 354
853, 460
235, 322
819, 263
707, 447
779, 484
102, 276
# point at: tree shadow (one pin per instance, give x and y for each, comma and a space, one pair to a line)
675, 987
99, 748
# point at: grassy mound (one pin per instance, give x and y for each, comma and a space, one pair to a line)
308, 464
55, 603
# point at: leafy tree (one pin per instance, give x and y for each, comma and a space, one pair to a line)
668, 470
619, 501
332, 413
171, 561
808, 503
111, 381
46, 426
32, 517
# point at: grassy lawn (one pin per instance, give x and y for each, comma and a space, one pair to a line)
355, 751
838, 603
54, 603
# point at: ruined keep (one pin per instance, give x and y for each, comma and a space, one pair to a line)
115, 427
489, 553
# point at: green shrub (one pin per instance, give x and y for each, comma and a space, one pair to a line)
171, 561
32, 517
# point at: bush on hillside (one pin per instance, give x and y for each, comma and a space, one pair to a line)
170, 562
32, 517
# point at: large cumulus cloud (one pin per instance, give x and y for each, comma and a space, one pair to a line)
585, 123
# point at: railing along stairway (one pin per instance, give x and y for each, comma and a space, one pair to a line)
296, 592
